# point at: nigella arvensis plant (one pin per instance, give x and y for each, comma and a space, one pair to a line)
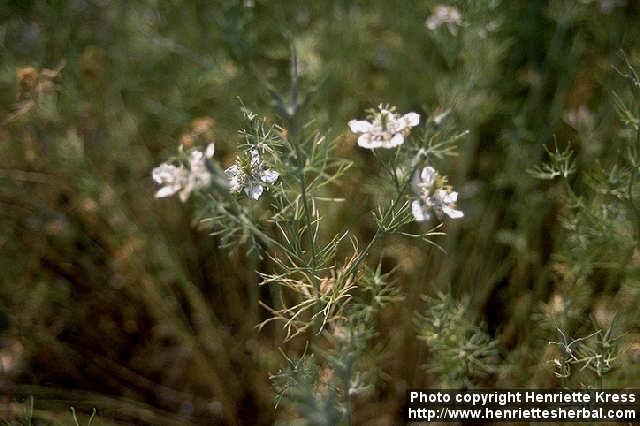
386, 128
317, 290
250, 174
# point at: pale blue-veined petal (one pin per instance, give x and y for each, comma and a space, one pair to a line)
452, 197
210, 150
255, 158
396, 140
366, 141
253, 190
451, 212
360, 126
420, 211
167, 191
411, 119
269, 176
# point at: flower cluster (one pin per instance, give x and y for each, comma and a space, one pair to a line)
386, 128
448, 15
192, 172
249, 173
182, 180
433, 196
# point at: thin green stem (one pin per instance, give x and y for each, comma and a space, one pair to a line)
379, 232
302, 181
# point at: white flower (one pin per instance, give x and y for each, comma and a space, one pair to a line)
172, 177
448, 15
178, 179
433, 197
250, 174
386, 130
445, 202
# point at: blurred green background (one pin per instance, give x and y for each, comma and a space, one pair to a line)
112, 299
